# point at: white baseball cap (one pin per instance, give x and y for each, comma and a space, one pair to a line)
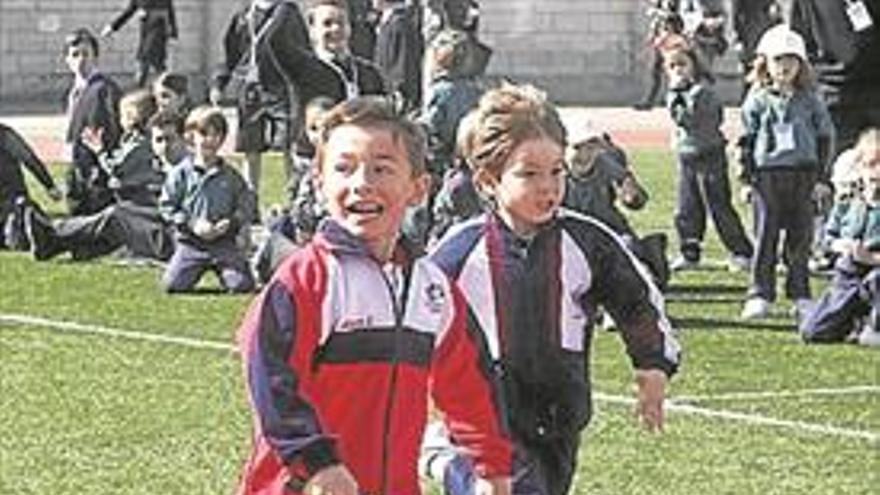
782, 40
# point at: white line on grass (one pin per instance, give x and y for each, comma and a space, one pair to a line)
69, 326
754, 419
614, 399
780, 394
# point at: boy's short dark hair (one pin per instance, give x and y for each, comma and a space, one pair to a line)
375, 111
80, 36
178, 83
207, 118
165, 119
311, 4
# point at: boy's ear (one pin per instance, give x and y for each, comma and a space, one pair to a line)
485, 182
422, 186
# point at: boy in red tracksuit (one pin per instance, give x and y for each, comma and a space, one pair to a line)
346, 342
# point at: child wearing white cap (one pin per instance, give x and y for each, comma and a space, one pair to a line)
785, 152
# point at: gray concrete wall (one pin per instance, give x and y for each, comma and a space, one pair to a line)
32, 32
580, 51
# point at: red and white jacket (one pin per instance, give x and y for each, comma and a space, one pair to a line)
340, 357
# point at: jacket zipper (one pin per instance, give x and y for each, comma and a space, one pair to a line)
399, 306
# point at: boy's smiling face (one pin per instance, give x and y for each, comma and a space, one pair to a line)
329, 29
529, 190
368, 182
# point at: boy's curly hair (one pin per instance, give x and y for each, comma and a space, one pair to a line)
505, 117
375, 112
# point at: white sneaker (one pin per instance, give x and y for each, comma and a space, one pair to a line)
681, 263
869, 336
739, 263
754, 308
801, 307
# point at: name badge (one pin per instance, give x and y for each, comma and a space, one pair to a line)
859, 15
783, 132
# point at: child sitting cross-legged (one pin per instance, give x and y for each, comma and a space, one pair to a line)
207, 202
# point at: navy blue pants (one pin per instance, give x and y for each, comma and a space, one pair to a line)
703, 185
189, 262
782, 202
853, 293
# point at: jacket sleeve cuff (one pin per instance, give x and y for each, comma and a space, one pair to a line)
319, 455
658, 363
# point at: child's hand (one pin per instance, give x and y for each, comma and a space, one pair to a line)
651, 391
215, 96
114, 183
203, 228
92, 137
494, 486
333, 480
844, 247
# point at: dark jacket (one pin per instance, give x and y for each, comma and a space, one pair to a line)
15, 152
399, 48
97, 106
536, 302
847, 63
280, 29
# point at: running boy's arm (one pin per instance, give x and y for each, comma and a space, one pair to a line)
750, 114
123, 17
275, 351
462, 390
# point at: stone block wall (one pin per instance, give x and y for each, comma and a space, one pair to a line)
580, 51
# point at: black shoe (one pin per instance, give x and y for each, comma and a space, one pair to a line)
643, 105
44, 246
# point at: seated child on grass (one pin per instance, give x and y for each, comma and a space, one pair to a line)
129, 165
599, 176
137, 228
850, 307
344, 346
15, 152
207, 202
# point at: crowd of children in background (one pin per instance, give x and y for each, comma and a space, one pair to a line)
520, 218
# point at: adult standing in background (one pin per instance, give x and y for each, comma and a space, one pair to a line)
267, 98
750, 19
843, 44
704, 26
363, 28
158, 25
399, 48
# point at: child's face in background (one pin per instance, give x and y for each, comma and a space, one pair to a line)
206, 145
329, 29
128, 117
368, 182
679, 69
531, 185
784, 70
313, 117
80, 59
165, 142
168, 99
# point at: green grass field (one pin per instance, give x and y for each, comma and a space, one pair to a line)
93, 403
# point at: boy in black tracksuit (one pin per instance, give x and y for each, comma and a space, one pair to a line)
158, 25
15, 152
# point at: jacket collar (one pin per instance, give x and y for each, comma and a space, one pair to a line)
336, 239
